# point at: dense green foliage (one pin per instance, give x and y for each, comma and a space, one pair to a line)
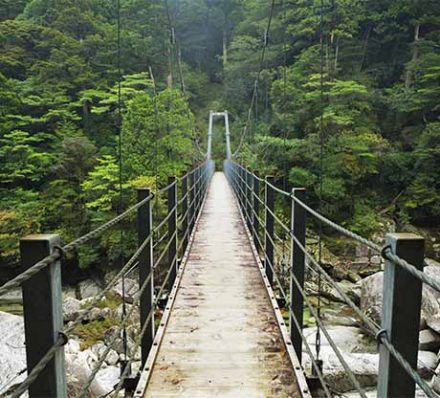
59, 94
58, 119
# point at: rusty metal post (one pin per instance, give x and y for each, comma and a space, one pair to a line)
145, 228
172, 236
269, 200
298, 228
402, 298
43, 315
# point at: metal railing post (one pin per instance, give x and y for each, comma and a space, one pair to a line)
172, 249
185, 221
298, 229
242, 189
145, 228
256, 202
191, 190
249, 206
402, 296
43, 315
269, 201
197, 189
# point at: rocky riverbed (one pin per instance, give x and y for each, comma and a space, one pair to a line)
99, 333
358, 347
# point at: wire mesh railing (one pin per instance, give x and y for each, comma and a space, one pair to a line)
397, 336
45, 332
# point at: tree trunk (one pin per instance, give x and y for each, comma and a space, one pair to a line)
170, 70
365, 46
415, 55
225, 46
336, 56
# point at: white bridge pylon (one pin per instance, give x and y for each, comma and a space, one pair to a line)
224, 114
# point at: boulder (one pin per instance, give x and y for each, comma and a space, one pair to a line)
98, 314
435, 381
99, 348
429, 340
364, 366
433, 271
347, 339
371, 300
130, 287
88, 288
333, 318
426, 363
349, 288
105, 381
14, 296
69, 291
113, 337
372, 393
71, 309
79, 366
13, 354
434, 323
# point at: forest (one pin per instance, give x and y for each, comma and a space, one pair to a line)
368, 73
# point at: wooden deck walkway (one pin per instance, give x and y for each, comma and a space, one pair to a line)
221, 338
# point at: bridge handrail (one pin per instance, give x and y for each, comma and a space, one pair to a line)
384, 251
241, 186
198, 188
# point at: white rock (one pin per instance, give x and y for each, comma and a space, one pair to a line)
436, 380
69, 292
98, 314
433, 271
112, 358
72, 347
426, 363
347, 339
98, 348
429, 340
88, 288
364, 366
371, 299
13, 354
130, 287
105, 380
71, 309
14, 296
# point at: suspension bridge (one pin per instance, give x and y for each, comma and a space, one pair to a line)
222, 333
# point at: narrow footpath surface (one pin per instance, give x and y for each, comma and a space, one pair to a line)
222, 339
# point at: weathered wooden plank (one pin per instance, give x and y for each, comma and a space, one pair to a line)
222, 338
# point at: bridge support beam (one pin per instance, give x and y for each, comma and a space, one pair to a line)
43, 315
269, 200
298, 228
402, 297
172, 236
145, 227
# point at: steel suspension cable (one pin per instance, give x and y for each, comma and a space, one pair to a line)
120, 164
321, 162
257, 79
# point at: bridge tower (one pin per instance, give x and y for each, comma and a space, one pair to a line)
224, 114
